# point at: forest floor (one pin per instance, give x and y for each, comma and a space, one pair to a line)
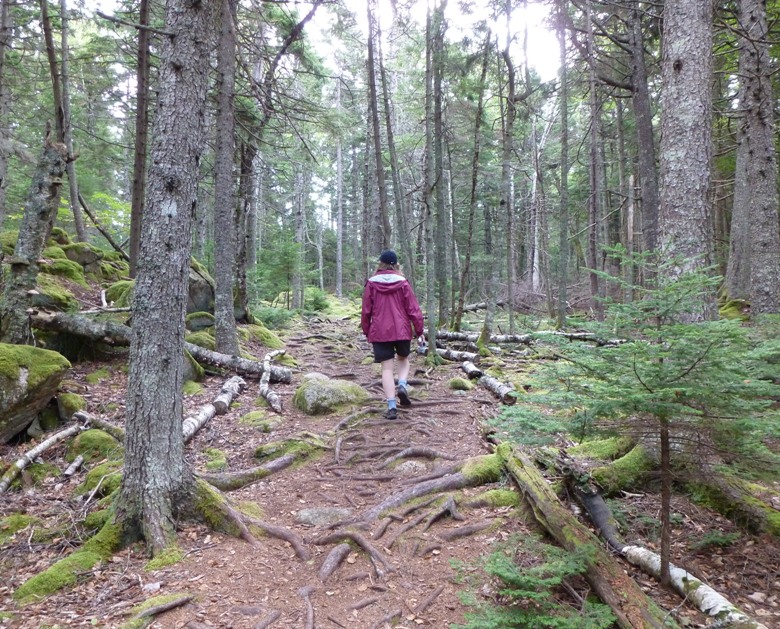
412, 581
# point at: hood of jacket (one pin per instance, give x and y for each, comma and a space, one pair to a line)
387, 282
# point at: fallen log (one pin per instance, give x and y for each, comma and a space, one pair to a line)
580, 336
28, 457
273, 399
117, 334
473, 337
472, 371
504, 391
229, 391
633, 609
451, 354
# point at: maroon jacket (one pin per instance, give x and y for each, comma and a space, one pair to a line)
390, 309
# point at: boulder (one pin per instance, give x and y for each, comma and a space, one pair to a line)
29, 377
318, 394
200, 296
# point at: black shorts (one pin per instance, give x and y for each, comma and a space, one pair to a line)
388, 350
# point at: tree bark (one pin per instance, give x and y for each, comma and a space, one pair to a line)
156, 480
6, 25
224, 186
39, 214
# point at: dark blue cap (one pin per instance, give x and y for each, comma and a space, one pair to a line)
389, 257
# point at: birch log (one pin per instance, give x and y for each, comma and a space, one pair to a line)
230, 390
273, 399
28, 457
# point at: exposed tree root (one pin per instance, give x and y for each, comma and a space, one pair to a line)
449, 508
272, 617
381, 565
364, 602
305, 593
403, 529
164, 607
388, 619
465, 531
279, 532
230, 481
428, 601
417, 451
333, 560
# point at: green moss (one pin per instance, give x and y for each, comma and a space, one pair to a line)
209, 503
96, 519
66, 268
41, 364
168, 557
603, 449
69, 403
59, 236
54, 252
264, 421
62, 574
263, 335
120, 294
199, 321
739, 504
191, 388
98, 376
8, 241
53, 294
460, 384
196, 371
48, 419
94, 444
487, 468
112, 271
627, 472
216, 459
107, 541
39, 472
12, 524
204, 339
140, 623
499, 498
300, 447
105, 478
735, 309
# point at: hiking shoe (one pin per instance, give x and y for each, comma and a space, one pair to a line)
390, 413
403, 396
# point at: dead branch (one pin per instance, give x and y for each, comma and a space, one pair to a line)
273, 399
12, 472
230, 390
465, 531
73, 467
272, 617
364, 602
504, 391
472, 371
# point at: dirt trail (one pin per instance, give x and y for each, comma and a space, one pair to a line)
410, 578
398, 568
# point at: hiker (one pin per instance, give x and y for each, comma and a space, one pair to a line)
391, 318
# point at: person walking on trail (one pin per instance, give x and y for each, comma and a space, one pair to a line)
391, 318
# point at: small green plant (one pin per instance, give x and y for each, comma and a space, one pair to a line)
273, 318
315, 300
521, 590
715, 538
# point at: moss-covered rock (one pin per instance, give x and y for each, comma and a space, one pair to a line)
29, 377
120, 294
262, 420
99, 375
69, 403
319, 394
95, 445
191, 388
216, 459
52, 295
83, 254
54, 252
487, 468
111, 270
627, 472
262, 334
197, 321
102, 479
204, 339
65, 268
460, 384
59, 236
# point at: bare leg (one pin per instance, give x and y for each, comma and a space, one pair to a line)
388, 382
403, 368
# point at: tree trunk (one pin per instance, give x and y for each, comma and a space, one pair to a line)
563, 223
6, 24
464, 275
224, 187
686, 115
156, 478
339, 204
141, 134
507, 157
438, 254
40, 212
